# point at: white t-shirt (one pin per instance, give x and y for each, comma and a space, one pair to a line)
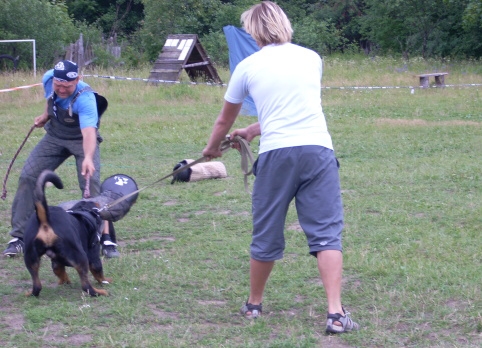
285, 84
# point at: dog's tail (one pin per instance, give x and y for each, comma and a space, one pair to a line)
39, 193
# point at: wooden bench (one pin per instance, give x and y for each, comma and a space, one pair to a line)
439, 79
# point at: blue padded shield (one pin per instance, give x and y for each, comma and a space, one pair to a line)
113, 188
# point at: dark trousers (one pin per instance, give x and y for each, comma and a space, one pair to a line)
49, 153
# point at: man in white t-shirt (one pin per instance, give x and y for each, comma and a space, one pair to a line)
296, 158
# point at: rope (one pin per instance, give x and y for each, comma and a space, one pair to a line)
4, 193
246, 156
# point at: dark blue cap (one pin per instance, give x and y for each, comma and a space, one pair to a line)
66, 70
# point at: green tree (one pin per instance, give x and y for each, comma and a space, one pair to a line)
164, 17
344, 15
320, 36
429, 28
114, 17
48, 23
473, 14
214, 41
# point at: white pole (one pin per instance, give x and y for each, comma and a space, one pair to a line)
34, 61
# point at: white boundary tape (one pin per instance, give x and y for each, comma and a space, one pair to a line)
20, 87
225, 85
156, 81
400, 87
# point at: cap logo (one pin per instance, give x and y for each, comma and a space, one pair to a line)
60, 66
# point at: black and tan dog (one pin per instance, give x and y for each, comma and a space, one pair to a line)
68, 238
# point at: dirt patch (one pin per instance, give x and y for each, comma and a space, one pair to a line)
295, 226
423, 123
53, 335
11, 320
14, 322
333, 341
455, 304
224, 212
5, 217
212, 303
131, 242
419, 215
162, 314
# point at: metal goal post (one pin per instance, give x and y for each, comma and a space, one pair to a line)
33, 53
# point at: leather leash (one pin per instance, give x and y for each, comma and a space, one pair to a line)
4, 192
246, 156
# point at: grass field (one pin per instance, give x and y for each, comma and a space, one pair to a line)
411, 181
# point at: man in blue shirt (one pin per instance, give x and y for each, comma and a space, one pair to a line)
71, 121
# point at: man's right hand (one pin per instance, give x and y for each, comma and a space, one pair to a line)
41, 120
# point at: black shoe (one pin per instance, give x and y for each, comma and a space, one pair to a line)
15, 246
109, 248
